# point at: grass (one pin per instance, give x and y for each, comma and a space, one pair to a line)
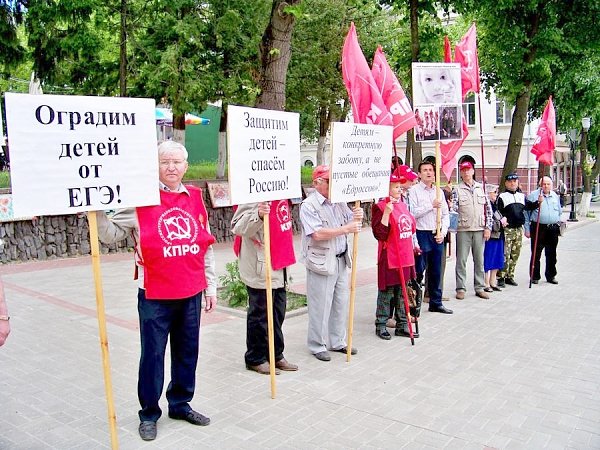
196, 171
4, 179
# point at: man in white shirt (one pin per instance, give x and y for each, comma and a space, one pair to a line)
425, 199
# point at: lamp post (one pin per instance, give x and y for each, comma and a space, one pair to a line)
573, 135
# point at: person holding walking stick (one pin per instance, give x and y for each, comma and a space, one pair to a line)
542, 226
394, 227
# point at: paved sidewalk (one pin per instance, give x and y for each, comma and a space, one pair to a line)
519, 371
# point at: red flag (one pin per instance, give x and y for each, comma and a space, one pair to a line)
543, 147
447, 50
392, 94
448, 151
465, 53
367, 104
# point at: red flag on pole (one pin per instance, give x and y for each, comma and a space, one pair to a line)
465, 53
449, 150
545, 142
447, 50
367, 104
392, 94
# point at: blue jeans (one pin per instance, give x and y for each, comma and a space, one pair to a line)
430, 259
159, 320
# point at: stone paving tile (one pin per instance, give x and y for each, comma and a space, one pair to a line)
518, 371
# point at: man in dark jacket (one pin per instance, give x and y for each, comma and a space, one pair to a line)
512, 204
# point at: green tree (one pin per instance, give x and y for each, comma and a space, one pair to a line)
523, 47
73, 44
12, 51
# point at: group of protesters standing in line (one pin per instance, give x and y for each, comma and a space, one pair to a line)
410, 224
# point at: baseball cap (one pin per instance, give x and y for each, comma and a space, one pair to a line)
403, 174
321, 172
466, 165
511, 176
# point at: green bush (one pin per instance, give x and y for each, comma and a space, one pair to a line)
233, 289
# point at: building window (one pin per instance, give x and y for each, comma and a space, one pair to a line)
503, 113
469, 108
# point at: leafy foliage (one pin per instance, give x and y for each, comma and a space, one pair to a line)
234, 290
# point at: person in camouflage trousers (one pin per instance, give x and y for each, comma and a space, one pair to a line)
513, 239
512, 204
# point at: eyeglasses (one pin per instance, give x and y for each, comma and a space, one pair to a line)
168, 162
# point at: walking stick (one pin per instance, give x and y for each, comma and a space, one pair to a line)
535, 241
403, 286
406, 305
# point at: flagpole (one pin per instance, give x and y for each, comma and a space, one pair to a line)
483, 181
535, 241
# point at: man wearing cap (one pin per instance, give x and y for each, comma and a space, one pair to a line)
474, 228
394, 227
512, 205
548, 231
425, 200
326, 254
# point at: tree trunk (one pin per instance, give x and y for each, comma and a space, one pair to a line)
179, 128
123, 51
324, 123
414, 152
588, 175
515, 139
222, 151
275, 54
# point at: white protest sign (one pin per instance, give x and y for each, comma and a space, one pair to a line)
360, 161
263, 153
437, 101
73, 153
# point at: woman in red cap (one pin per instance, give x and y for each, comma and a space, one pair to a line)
394, 228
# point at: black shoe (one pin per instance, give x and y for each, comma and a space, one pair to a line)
535, 281
147, 430
496, 288
501, 283
403, 333
510, 281
440, 309
353, 351
553, 281
383, 334
193, 417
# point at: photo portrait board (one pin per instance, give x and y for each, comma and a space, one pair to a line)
218, 192
360, 161
263, 154
74, 153
437, 101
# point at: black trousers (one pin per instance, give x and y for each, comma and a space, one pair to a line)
547, 241
257, 340
177, 321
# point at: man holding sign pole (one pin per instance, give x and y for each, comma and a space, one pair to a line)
325, 250
247, 222
174, 253
425, 201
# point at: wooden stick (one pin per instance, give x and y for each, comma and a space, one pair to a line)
267, 242
352, 291
112, 418
438, 163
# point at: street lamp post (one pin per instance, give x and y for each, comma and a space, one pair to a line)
573, 135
